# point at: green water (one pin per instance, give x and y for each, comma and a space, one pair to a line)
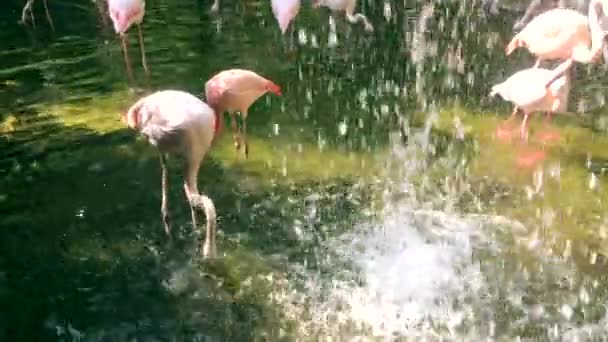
83, 254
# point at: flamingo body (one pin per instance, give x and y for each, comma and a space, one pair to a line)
125, 13
537, 7
285, 11
562, 33
178, 122
536, 89
526, 89
235, 90
174, 121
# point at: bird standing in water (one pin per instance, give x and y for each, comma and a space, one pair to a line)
125, 13
536, 89
347, 6
235, 90
562, 34
178, 122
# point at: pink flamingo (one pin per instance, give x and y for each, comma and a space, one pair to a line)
347, 6
563, 33
536, 89
235, 90
125, 13
178, 122
285, 11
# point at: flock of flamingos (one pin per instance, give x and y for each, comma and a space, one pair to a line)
175, 121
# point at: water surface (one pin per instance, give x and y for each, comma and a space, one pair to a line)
376, 203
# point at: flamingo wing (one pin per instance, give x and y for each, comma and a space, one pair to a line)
554, 32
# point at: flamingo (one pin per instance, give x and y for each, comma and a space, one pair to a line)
562, 33
28, 8
539, 6
536, 89
285, 11
349, 7
235, 90
125, 13
178, 122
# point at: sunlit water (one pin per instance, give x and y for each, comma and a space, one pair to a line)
377, 202
415, 272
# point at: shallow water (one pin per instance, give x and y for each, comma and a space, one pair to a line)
376, 203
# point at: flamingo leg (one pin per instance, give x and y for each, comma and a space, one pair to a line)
524, 126
192, 211
190, 185
235, 133
143, 50
512, 116
537, 64
48, 15
244, 136
164, 184
27, 8
126, 56
548, 117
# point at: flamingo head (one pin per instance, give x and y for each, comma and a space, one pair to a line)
273, 88
132, 117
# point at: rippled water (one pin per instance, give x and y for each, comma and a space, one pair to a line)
376, 203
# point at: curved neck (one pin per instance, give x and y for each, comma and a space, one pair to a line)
206, 204
597, 34
585, 55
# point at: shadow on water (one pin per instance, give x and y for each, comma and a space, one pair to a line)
83, 249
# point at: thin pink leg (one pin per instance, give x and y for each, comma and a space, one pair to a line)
503, 132
524, 126
126, 55
164, 194
512, 116
236, 133
143, 50
549, 135
48, 15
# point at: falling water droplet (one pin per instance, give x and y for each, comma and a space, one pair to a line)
593, 183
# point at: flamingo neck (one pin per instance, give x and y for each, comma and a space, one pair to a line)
206, 204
